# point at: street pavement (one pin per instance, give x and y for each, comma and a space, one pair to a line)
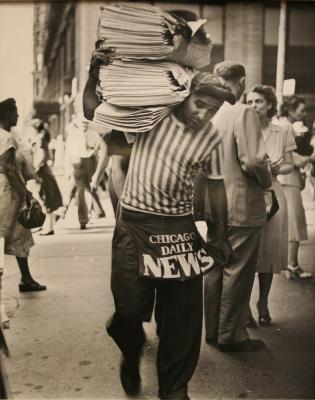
60, 350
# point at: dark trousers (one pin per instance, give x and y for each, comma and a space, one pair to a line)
228, 288
83, 173
180, 305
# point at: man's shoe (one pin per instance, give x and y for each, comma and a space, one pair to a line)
212, 341
299, 272
47, 233
250, 321
82, 227
130, 377
247, 345
101, 215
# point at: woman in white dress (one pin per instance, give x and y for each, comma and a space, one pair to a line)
279, 144
292, 110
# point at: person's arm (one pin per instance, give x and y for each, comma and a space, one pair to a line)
7, 164
285, 167
119, 168
102, 163
90, 98
215, 190
251, 149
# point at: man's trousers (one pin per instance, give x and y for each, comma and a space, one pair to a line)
83, 173
180, 310
228, 289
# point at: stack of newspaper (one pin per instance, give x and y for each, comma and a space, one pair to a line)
127, 119
143, 83
135, 30
155, 53
140, 31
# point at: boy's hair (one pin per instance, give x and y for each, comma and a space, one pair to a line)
229, 70
208, 84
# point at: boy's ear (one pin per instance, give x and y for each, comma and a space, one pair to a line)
242, 81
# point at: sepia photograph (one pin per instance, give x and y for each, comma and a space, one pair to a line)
157, 199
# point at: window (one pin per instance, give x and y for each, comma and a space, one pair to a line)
300, 59
271, 27
214, 14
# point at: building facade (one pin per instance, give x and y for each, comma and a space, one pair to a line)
65, 33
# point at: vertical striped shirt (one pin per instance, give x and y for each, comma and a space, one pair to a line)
164, 163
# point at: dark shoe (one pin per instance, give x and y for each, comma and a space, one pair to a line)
101, 215
264, 318
32, 286
83, 227
130, 377
212, 341
247, 345
250, 322
49, 233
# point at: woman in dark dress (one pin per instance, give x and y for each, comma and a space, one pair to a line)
49, 191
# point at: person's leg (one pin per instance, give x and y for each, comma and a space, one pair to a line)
238, 280
134, 299
158, 313
24, 269
265, 281
96, 204
28, 284
90, 167
293, 253
49, 225
212, 303
213, 282
180, 336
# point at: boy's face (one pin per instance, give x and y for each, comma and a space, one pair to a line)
198, 109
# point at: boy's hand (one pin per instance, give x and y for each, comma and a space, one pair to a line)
100, 56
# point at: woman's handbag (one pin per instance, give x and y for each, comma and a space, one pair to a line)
31, 216
302, 178
272, 205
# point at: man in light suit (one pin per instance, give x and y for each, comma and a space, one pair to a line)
246, 176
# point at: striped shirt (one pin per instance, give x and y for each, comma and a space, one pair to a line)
163, 166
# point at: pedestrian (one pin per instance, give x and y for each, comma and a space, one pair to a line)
273, 251
13, 170
246, 176
156, 209
86, 154
292, 110
49, 191
156, 206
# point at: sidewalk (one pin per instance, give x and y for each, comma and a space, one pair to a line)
59, 348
